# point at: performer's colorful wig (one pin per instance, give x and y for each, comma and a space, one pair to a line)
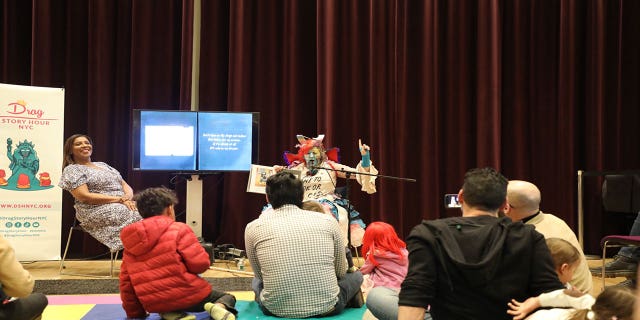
381, 237
305, 144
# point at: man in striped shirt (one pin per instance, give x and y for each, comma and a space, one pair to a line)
298, 258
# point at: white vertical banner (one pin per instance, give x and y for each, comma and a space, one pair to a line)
31, 140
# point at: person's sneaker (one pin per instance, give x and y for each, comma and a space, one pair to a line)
619, 267
217, 312
357, 301
177, 316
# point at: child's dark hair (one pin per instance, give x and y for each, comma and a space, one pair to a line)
562, 251
152, 201
611, 302
381, 236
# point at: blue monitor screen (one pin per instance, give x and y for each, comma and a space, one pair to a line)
224, 141
167, 140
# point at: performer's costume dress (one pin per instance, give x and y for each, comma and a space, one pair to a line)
322, 187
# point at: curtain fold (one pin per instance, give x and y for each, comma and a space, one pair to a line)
15, 55
537, 89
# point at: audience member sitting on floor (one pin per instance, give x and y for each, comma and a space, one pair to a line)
470, 267
298, 260
625, 263
384, 269
385, 255
524, 205
613, 303
16, 285
161, 264
566, 259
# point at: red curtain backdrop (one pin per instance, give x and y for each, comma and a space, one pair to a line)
537, 89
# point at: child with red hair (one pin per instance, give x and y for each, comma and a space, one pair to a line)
386, 257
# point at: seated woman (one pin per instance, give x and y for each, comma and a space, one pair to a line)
319, 172
102, 198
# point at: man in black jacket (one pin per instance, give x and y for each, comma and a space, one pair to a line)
470, 267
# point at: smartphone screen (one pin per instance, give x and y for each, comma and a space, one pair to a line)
451, 200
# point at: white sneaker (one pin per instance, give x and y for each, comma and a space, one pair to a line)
217, 312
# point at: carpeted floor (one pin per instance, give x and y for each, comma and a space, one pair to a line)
108, 307
106, 286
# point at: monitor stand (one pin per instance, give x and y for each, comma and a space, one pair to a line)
194, 204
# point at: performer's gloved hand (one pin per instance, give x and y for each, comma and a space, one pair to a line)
364, 152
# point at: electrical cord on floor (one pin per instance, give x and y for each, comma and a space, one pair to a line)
96, 257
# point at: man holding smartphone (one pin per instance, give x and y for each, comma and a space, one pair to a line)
479, 259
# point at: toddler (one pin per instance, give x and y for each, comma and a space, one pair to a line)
385, 257
566, 259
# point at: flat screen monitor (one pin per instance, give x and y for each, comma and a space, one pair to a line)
194, 142
226, 141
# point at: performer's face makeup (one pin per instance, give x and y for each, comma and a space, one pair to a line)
317, 153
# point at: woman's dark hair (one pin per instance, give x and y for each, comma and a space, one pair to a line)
284, 188
67, 150
152, 201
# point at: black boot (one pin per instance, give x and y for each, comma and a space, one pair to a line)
620, 266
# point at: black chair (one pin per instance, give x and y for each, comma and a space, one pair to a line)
621, 193
78, 228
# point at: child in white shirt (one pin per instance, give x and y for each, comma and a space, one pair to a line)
571, 304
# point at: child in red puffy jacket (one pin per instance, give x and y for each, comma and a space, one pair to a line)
161, 264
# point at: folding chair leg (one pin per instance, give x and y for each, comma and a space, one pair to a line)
113, 258
604, 256
66, 249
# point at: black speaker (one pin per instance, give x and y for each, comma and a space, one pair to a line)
621, 193
208, 247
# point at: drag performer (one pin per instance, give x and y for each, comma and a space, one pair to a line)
317, 167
